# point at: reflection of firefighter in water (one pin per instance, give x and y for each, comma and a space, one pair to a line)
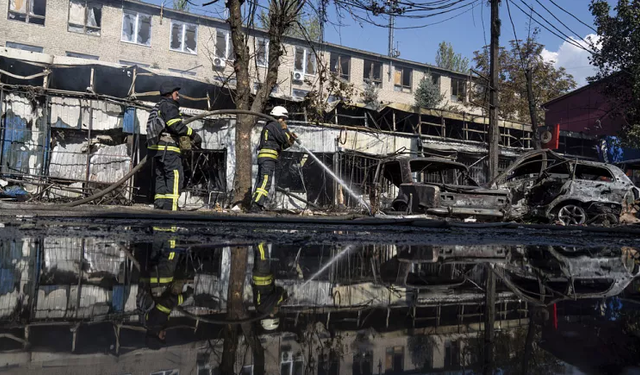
267, 297
161, 287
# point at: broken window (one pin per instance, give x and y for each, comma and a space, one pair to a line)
304, 61
458, 90
435, 78
82, 56
340, 65
591, 173
528, 168
452, 354
262, 52
394, 359
223, 47
136, 28
402, 79
372, 73
24, 47
85, 17
184, 37
29, 11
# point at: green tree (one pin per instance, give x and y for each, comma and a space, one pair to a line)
182, 5
447, 58
549, 82
428, 93
370, 96
618, 62
306, 26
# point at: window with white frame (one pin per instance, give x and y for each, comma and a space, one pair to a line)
223, 47
85, 17
24, 47
291, 364
29, 11
136, 28
82, 56
262, 52
402, 79
184, 37
372, 73
340, 65
304, 61
458, 90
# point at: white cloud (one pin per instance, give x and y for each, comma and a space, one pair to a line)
575, 60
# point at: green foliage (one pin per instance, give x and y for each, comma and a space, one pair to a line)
306, 27
447, 58
182, 5
428, 93
370, 96
618, 62
548, 82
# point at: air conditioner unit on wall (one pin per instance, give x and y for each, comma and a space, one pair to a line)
219, 62
297, 77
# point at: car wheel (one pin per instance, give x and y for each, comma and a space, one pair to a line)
571, 214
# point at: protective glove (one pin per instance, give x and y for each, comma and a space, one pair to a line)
197, 139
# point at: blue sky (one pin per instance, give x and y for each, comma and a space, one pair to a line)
467, 32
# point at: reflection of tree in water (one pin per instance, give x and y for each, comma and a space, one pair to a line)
509, 353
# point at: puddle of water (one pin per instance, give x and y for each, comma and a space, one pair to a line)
354, 307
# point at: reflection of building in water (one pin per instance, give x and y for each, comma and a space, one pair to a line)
68, 303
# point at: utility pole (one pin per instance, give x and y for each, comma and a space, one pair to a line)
489, 321
494, 129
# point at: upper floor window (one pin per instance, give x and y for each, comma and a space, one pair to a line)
82, 56
85, 17
394, 359
262, 52
29, 11
458, 90
136, 28
184, 37
305, 61
372, 73
24, 47
133, 63
435, 78
340, 65
180, 71
223, 47
402, 79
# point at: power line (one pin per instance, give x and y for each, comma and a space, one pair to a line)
572, 15
562, 23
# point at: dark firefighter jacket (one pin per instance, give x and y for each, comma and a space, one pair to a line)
157, 318
169, 111
266, 295
273, 140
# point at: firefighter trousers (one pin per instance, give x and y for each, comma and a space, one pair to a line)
169, 177
266, 170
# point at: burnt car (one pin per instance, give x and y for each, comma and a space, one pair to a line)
544, 275
543, 184
441, 187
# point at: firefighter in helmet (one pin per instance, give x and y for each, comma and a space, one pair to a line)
164, 129
275, 138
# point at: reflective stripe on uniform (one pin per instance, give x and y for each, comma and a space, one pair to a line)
180, 299
269, 156
156, 280
163, 309
172, 254
159, 229
173, 121
176, 190
263, 280
268, 151
189, 131
163, 148
266, 134
261, 190
261, 249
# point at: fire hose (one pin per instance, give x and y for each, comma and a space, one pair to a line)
142, 162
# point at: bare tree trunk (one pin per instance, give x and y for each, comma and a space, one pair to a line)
532, 109
235, 308
489, 322
244, 123
256, 348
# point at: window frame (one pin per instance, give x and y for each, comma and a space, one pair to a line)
402, 87
136, 27
183, 35
257, 41
338, 71
228, 49
457, 97
31, 48
372, 80
81, 55
133, 63
305, 61
85, 27
27, 14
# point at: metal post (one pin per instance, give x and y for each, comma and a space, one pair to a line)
89, 143
494, 129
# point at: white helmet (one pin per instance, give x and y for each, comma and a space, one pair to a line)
270, 324
279, 111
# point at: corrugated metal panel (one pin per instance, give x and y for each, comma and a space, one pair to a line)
106, 115
316, 293
61, 301
68, 161
109, 163
65, 112
24, 135
103, 256
367, 294
62, 254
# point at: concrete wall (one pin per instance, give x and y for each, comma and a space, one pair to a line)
56, 39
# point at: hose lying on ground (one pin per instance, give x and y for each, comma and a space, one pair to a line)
142, 162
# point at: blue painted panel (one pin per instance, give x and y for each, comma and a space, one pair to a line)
129, 123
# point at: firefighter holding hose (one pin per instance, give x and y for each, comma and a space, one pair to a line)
275, 138
164, 129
